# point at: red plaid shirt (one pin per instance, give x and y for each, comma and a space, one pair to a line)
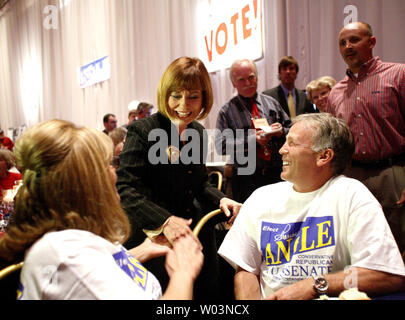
373, 105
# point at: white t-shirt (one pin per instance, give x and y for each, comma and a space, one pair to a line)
76, 264
286, 236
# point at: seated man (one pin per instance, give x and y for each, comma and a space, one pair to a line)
314, 225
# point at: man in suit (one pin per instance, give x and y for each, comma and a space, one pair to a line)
292, 100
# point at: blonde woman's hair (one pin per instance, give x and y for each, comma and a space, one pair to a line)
311, 86
118, 135
67, 184
185, 73
321, 82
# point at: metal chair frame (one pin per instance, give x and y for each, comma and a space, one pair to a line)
204, 220
10, 269
219, 174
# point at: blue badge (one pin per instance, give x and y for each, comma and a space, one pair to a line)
20, 291
132, 267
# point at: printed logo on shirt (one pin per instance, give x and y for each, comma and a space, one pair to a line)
20, 291
132, 267
280, 242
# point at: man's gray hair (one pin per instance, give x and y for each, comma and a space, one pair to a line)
331, 133
238, 62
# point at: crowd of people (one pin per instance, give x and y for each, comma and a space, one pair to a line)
318, 188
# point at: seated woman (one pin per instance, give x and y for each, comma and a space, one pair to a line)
7, 178
118, 136
5, 142
318, 91
69, 226
162, 177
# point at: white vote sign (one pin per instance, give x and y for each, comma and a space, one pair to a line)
229, 30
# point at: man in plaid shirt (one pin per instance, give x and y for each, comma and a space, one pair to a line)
371, 99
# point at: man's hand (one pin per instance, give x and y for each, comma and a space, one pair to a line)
263, 138
227, 206
402, 198
301, 290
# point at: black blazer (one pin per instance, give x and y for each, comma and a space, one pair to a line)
151, 192
303, 105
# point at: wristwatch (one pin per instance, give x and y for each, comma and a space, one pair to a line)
320, 285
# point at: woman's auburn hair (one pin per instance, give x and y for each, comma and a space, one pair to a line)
185, 73
67, 184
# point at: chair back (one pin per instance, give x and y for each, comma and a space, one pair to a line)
9, 282
203, 221
218, 179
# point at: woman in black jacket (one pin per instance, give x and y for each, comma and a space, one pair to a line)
162, 178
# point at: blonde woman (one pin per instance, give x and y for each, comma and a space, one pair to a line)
69, 226
318, 91
118, 136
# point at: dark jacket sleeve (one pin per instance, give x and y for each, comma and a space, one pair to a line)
133, 191
306, 106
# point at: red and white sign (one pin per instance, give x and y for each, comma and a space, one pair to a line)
229, 30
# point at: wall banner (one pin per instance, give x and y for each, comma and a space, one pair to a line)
95, 72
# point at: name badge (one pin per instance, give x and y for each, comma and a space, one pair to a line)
173, 153
260, 123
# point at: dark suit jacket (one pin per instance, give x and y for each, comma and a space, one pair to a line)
151, 192
303, 105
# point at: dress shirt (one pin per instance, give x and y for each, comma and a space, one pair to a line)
373, 105
302, 104
286, 93
236, 114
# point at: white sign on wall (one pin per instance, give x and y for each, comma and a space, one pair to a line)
229, 30
95, 72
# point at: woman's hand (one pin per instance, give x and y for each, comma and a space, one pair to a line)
185, 259
177, 227
149, 249
230, 207
183, 264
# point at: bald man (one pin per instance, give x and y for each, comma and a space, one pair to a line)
371, 100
